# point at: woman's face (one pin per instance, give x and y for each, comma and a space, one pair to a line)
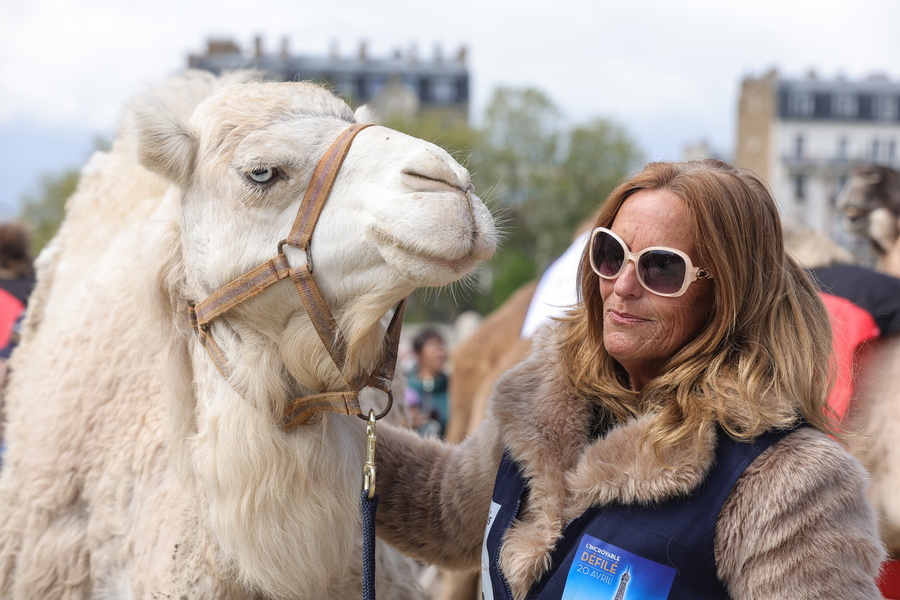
640, 329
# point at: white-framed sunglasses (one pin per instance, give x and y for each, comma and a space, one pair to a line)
662, 271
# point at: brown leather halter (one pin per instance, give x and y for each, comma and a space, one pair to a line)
305, 410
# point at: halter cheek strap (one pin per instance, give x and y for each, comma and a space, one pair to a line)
305, 410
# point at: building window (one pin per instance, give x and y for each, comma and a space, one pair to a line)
800, 104
462, 89
362, 88
800, 188
884, 108
425, 89
891, 151
376, 84
344, 85
841, 183
798, 147
876, 150
444, 91
842, 149
844, 106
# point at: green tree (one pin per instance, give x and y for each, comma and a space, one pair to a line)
517, 158
599, 155
519, 143
544, 180
42, 212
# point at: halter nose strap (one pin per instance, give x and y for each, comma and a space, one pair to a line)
305, 410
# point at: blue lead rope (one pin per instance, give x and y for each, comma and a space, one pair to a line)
368, 507
368, 502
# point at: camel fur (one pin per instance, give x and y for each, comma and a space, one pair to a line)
134, 468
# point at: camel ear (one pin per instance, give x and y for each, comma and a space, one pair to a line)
164, 144
366, 114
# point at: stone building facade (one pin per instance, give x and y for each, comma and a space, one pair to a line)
400, 85
804, 136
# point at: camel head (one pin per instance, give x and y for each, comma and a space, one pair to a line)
870, 203
402, 214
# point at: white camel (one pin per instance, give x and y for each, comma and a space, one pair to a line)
870, 203
134, 468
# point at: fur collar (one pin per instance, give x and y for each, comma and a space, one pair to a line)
566, 471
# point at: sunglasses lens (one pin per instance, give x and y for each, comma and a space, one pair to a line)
662, 272
608, 255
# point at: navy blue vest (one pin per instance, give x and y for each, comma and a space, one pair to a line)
624, 551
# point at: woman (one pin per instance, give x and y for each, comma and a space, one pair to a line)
667, 438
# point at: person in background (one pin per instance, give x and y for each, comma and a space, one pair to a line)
669, 436
426, 385
16, 283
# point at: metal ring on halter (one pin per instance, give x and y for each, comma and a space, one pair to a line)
387, 409
307, 250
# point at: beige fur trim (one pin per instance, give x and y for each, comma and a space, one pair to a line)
566, 472
818, 540
620, 468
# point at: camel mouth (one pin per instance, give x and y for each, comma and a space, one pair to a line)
391, 246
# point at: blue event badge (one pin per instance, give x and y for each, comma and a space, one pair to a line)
601, 570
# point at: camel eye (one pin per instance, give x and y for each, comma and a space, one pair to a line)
263, 175
853, 212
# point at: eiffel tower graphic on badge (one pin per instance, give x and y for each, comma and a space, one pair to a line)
623, 582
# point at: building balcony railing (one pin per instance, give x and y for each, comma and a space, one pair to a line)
830, 163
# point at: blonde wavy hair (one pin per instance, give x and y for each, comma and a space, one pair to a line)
761, 362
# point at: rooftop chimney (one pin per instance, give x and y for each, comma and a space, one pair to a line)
461, 55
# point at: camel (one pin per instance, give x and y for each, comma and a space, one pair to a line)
873, 417
870, 203
872, 421
137, 465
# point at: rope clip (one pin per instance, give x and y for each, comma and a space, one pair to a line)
369, 468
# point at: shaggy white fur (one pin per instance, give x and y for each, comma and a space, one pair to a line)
109, 389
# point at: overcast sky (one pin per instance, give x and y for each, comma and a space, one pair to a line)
669, 71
